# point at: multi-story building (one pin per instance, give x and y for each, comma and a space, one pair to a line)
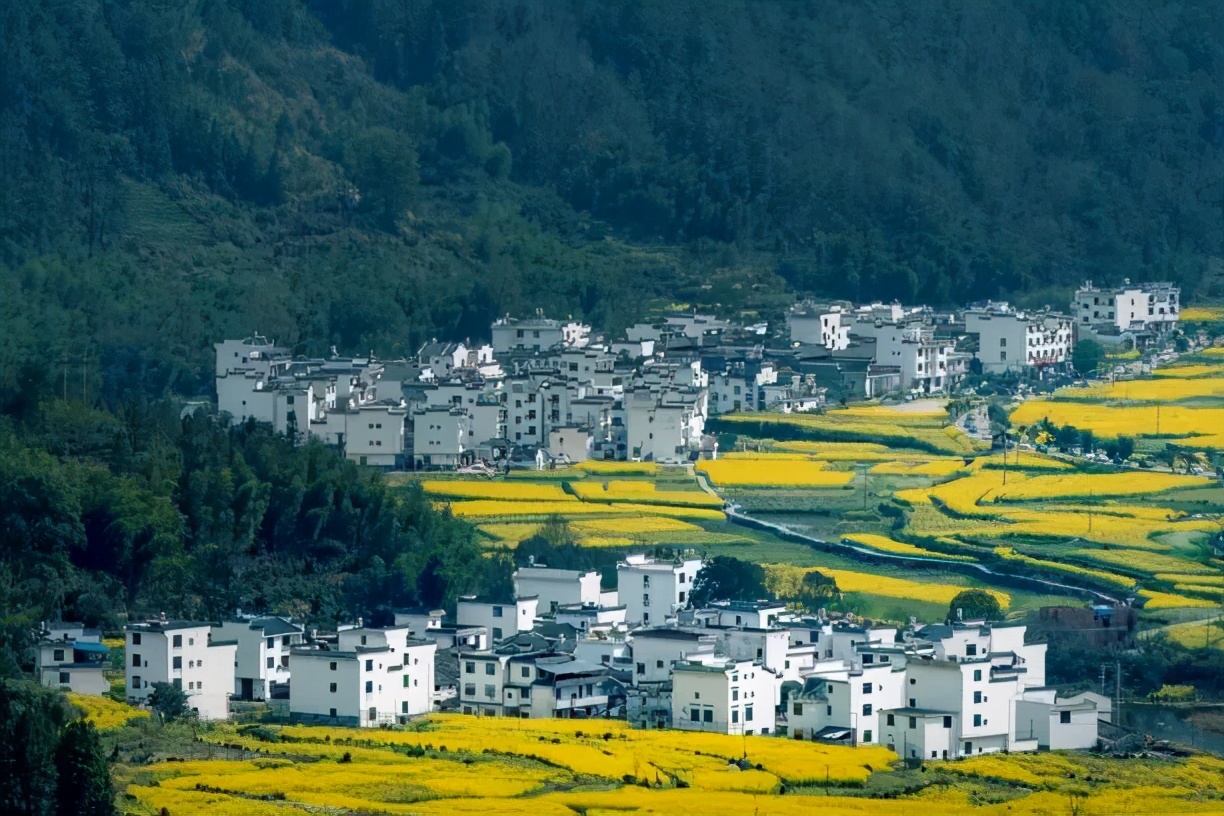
183, 654
262, 667
369, 677
441, 437
725, 697
557, 587
71, 657
1015, 341
502, 619
1139, 307
652, 590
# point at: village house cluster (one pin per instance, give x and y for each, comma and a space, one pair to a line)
544, 390
566, 647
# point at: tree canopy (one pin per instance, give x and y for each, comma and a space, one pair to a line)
975, 604
177, 174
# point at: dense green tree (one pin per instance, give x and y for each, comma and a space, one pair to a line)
975, 604
724, 578
30, 721
169, 702
1086, 356
84, 783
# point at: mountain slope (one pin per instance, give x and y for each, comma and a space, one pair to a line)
369, 173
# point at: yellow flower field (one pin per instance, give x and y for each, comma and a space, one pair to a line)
1166, 600
889, 426
686, 772
1144, 561
1190, 371
1199, 427
763, 473
642, 492
1120, 581
771, 456
602, 467
1021, 460
499, 490
495, 510
1202, 313
932, 467
1196, 634
1083, 485
104, 712
1214, 351
886, 544
781, 577
1163, 389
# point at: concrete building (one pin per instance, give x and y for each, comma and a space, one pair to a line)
441, 437
501, 619
1145, 306
557, 587
727, 697
263, 645
652, 590
183, 654
71, 657
1015, 341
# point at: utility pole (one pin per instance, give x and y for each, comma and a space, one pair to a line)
1117, 690
1102, 678
864, 485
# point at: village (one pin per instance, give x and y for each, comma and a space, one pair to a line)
547, 391
564, 648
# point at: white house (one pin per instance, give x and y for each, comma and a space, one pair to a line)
1056, 723
262, 656
727, 697
919, 733
72, 658
185, 655
655, 652
1145, 306
1014, 341
589, 617
846, 700
441, 437
652, 590
557, 587
373, 677
501, 619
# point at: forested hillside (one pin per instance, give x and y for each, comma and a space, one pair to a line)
371, 173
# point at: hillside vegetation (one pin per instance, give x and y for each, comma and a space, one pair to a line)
369, 173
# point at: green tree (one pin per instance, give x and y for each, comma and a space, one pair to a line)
975, 604
30, 720
724, 578
84, 784
1086, 356
1126, 447
383, 163
169, 702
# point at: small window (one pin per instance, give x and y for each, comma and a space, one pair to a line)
891, 720
798, 709
977, 697
64, 677
658, 664
333, 666
405, 681
747, 713
271, 662
866, 709
913, 722
526, 671
57, 655
490, 669
707, 715
332, 688
735, 715
1064, 717
178, 641
947, 722
695, 714
469, 667
867, 735
369, 686
977, 720
135, 638
977, 675
178, 663
867, 688
369, 665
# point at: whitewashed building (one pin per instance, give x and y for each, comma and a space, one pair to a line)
262, 664
557, 587
724, 697
71, 657
185, 655
501, 619
652, 590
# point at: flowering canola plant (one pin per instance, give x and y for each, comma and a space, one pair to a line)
104, 712
765, 473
